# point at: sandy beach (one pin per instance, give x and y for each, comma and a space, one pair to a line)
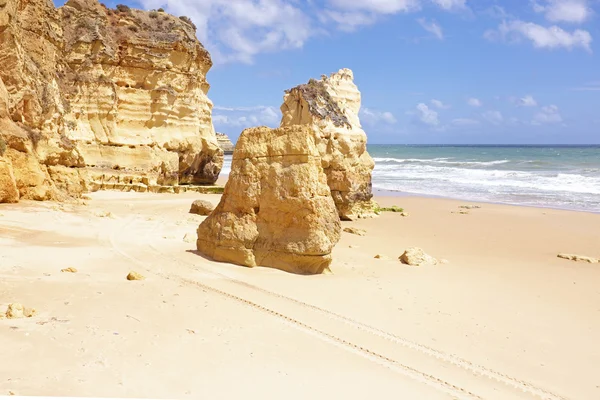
504, 319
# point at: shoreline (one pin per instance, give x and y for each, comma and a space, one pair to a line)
385, 193
400, 194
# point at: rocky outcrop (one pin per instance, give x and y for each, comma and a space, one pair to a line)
276, 210
331, 105
416, 256
117, 95
225, 143
201, 207
8, 187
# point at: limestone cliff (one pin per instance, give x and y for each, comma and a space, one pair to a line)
276, 210
99, 97
225, 143
331, 105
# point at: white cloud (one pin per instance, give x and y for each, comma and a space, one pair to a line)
541, 37
547, 115
349, 15
498, 12
451, 4
426, 115
246, 117
377, 6
527, 101
439, 104
589, 87
373, 117
495, 117
432, 27
238, 30
473, 102
464, 122
347, 20
574, 11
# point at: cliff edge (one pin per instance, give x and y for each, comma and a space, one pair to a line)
94, 98
225, 143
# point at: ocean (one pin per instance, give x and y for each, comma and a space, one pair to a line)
566, 177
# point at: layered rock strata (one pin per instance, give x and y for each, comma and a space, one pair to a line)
225, 143
276, 210
94, 95
331, 105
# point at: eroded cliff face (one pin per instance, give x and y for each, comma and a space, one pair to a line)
331, 105
103, 97
225, 143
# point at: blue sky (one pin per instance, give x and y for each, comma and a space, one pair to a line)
430, 71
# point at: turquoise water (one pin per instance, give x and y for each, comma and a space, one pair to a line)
548, 176
557, 177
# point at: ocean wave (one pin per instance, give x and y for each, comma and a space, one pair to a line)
445, 161
485, 179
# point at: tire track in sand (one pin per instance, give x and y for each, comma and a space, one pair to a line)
515, 388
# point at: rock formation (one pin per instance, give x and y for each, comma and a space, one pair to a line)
331, 105
355, 231
94, 98
416, 256
16, 310
225, 143
201, 207
276, 210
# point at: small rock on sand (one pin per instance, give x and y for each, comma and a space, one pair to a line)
104, 214
202, 207
416, 256
16, 310
381, 257
70, 269
404, 214
134, 276
355, 231
575, 257
189, 238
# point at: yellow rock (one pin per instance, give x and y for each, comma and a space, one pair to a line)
134, 276
331, 106
276, 210
416, 256
201, 207
70, 269
355, 231
16, 310
8, 186
105, 100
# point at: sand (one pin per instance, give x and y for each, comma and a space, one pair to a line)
504, 319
